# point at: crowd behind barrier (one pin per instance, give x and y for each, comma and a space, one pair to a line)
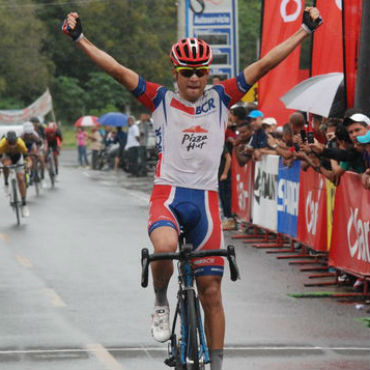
305, 207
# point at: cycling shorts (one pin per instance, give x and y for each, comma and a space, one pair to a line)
197, 212
15, 158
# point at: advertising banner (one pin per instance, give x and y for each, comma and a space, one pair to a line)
350, 247
288, 198
352, 12
40, 107
265, 192
281, 19
242, 189
312, 213
216, 22
327, 53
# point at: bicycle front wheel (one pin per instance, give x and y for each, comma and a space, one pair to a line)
15, 202
52, 170
192, 340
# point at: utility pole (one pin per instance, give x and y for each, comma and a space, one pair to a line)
362, 94
180, 19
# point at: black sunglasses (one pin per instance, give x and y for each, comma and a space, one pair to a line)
187, 72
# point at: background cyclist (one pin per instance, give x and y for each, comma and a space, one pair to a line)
13, 151
190, 126
53, 139
33, 144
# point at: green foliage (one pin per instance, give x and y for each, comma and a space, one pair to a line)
249, 30
68, 99
35, 54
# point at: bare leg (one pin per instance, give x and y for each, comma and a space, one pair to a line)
209, 289
164, 240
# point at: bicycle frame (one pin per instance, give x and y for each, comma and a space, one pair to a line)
179, 349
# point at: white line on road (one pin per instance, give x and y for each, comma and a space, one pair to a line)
104, 357
23, 261
99, 347
55, 299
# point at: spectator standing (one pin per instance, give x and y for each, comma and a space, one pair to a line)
364, 141
81, 138
121, 139
96, 146
132, 145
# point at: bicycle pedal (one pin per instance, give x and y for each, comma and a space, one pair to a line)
171, 362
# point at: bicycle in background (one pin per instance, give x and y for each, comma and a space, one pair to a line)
188, 348
15, 199
50, 164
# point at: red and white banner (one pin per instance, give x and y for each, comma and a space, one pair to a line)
352, 10
242, 189
327, 53
40, 107
281, 19
350, 245
312, 214
265, 190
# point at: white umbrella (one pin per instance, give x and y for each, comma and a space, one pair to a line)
87, 121
314, 95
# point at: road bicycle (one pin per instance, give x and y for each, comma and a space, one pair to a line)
50, 160
187, 349
35, 174
15, 199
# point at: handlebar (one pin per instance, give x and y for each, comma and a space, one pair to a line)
146, 258
12, 166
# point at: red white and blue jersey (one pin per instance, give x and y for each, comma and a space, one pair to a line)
190, 136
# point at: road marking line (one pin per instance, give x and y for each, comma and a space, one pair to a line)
160, 349
23, 261
4, 237
104, 356
55, 298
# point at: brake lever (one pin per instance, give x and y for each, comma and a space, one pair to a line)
144, 267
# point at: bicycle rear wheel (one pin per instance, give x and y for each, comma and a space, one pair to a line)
52, 169
15, 202
36, 177
192, 340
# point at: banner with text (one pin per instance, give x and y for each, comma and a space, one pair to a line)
312, 214
288, 198
41, 107
265, 192
350, 246
242, 189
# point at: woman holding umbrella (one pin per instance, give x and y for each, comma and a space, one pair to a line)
81, 138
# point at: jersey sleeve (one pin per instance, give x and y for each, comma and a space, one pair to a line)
2, 145
22, 146
233, 89
149, 94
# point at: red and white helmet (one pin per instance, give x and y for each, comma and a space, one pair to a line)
191, 52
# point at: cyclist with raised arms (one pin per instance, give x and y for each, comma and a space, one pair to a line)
190, 125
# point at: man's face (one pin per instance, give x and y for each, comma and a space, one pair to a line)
144, 117
244, 133
191, 88
356, 129
256, 123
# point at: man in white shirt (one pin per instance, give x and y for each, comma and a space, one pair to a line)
132, 145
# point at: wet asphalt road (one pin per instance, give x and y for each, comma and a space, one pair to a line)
70, 295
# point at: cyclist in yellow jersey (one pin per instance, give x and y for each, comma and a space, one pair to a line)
13, 150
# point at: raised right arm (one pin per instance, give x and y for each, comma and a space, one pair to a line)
125, 76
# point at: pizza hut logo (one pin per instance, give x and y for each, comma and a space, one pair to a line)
194, 138
358, 237
290, 10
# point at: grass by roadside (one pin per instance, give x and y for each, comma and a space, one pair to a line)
69, 140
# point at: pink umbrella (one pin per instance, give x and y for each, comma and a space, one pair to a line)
87, 121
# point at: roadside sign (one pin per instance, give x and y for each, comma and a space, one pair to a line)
216, 22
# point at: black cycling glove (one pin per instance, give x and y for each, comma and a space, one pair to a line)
76, 34
308, 24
